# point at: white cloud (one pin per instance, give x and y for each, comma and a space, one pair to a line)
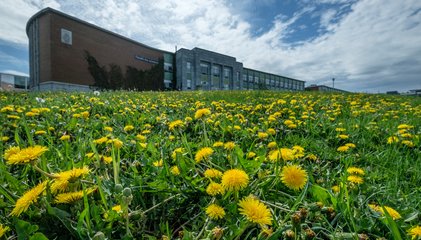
14, 15
372, 48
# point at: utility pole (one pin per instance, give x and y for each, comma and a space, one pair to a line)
333, 82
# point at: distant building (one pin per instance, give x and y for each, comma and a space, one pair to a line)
392, 93
67, 53
323, 88
13, 82
414, 92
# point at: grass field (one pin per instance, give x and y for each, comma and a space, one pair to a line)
209, 165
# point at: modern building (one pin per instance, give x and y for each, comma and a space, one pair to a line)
324, 88
67, 53
13, 82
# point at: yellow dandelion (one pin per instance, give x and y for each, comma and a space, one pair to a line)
101, 140
108, 129
355, 170
255, 211
262, 135
250, 155
408, 143
229, 146
272, 145
117, 143
294, 177
3, 230
128, 128
343, 136
62, 179
271, 131
40, 132
405, 126
355, 179
350, 145
159, 163
285, 154
15, 155
175, 170
234, 180
214, 189
336, 189
176, 152
392, 139
107, 159
4, 139
414, 232
117, 208
342, 149
72, 196
175, 124
141, 137
392, 212
203, 153
65, 138
218, 144
212, 173
215, 211
202, 112
29, 197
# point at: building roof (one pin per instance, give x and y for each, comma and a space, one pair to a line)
51, 10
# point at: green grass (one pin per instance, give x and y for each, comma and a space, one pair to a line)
155, 203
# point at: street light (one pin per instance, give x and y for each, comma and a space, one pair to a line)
333, 82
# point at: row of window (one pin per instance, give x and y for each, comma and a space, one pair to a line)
211, 78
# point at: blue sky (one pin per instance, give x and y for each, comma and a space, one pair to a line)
366, 45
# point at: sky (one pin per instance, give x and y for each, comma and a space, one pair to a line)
366, 45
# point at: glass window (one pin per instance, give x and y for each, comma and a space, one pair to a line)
227, 78
216, 77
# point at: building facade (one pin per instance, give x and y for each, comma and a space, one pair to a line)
58, 44
67, 53
13, 82
323, 88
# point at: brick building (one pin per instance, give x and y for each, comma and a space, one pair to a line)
67, 53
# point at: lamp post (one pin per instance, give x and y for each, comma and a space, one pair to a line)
333, 82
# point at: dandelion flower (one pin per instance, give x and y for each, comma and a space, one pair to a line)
62, 180
15, 155
29, 197
214, 189
175, 170
108, 129
218, 144
229, 146
255, 211
128, 128
350, 145
283, 153
215, 212
294, 177
117, 143
355, 170
408, 143
176, 152
392, 139
101, 140
251, 155
262, 135
175, 124
414, 232
392, 212
234, 180
117, 208
159, 163
71, 196
272, 145
141, 137
355, 179
212, 173
202, 112
65, 138
342, 149
203, 154
3, 230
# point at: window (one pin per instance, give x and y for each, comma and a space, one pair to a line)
204, 76
227, 78
66, 36
188, 66
216, 77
